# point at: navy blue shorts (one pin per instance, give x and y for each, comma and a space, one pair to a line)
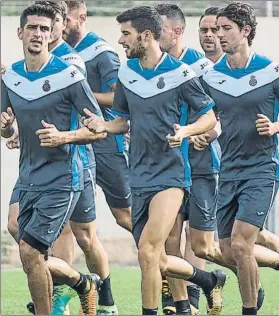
112, 175
247, 200
201, 207
15, 194
44, 214
85, 209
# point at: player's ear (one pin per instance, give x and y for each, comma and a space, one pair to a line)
146, 35
20, 33
246, 30
82, 18
178, 31
64, 24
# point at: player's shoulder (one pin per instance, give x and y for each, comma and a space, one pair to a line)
259, 72
169, 74
92, 46
55, 75
168, 65
198, 62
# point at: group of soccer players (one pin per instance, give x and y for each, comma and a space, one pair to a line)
203, 148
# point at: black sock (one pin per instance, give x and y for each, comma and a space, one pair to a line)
81, 285
147, 311
105, 294
56, 284
182, 307
206, 280
194, 295
277, 267
249, 310
163, 278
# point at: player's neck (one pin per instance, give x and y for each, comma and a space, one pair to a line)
151, 58
215, 56
80, 36
239, 58
53, 45
177, 50
35, 62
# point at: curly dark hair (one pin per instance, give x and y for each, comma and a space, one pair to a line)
59, 6
39, 10
242, 14
172, 12
143, 18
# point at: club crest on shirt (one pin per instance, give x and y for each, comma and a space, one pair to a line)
253, 81
161, 84
46, 86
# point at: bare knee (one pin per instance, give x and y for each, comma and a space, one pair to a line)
263, 238
227, 252
148, 256
202, 249
30, 257
123, 217
241, 248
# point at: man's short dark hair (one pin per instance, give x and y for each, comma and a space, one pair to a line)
59, 7
172, 12
210, 11
242, 14
143, 18
37, 9
72, 5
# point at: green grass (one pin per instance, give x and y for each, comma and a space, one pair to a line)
126, 290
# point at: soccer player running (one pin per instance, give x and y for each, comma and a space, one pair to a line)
39, 89
245, 87
102, 64
84, 215
200, 208
151, 87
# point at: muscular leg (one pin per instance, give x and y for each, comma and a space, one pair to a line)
39, 280
192, 289
63, 247
12, 220
268, 240
122, 217
163, 210
96, 258
153, 260
178, 287
243, 239
205, 247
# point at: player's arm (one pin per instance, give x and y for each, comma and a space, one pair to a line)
264, 126
193, 94
81, 97
200, 142
120, 108
107, 64
7, 115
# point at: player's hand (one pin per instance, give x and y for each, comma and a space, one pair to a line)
7, 118
50, 136
13, 142
3, 69
201, 141
264, 126
177, 139
94, 123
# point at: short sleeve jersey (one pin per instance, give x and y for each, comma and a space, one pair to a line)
204, 162
102, 64
67, 53
54, 94
241, 94
153, 100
